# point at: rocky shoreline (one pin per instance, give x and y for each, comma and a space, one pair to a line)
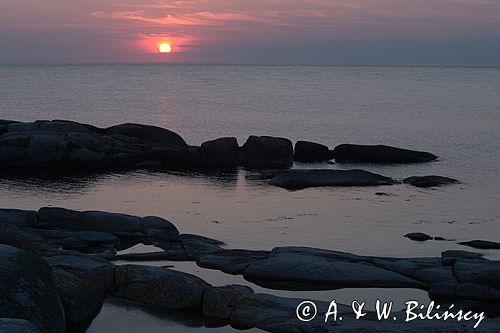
58, 267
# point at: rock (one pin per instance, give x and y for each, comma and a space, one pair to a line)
265, 152
218, 303
482, 244
350, 153
160, 287
231, 261
15, 139
418, 236
81, 299
289, 270
11, 234
159, 228
196, 246
18, 217
12, 155
302, 178
429, 181
306, 151
223, 152
74, 240
121, 224
91, 141
11, 325
27, 290
147, 133
92, 269
45, 149
481, 272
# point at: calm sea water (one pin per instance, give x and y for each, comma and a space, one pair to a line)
453, 112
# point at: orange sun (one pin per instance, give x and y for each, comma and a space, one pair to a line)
165, 48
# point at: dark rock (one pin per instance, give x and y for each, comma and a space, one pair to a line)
147, 133
81, 299
27, 290
160, 287
313, 271
482, 244
302, 178
220, 152
18, 217
12, 155
45, 149
310, 152
350, 153
159, 228
265, 152
52, 217
11, 325
218, 303
418, 236
92, 269
231, 261
429, 181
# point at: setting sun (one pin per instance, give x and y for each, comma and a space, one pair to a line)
165, 48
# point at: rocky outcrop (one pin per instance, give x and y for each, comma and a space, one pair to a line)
429, 181
158, 286
266, 152
27, 290
302, 178
350, 153
78, 279
306, 151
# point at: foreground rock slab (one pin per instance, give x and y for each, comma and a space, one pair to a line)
350, 153
303, 178
27, 290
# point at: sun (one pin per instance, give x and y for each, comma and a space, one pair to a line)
165, 48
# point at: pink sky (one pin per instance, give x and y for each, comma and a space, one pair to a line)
243, 30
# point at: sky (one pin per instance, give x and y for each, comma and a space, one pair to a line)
251, 31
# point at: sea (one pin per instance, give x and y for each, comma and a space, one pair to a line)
451, 111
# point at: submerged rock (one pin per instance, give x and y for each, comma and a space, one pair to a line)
302, 178
266, 152
306, 151
482, 244
429, 181
418, 236
27, 290
350, 153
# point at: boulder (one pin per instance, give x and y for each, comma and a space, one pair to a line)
223, 152
18, 217
429, 181
306, 151
418, 236
11, 325
482, 244
159, 228
159, 286
121, 224
350, 153
27, 290
302, 178
265, 152
81, 299
147, 133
